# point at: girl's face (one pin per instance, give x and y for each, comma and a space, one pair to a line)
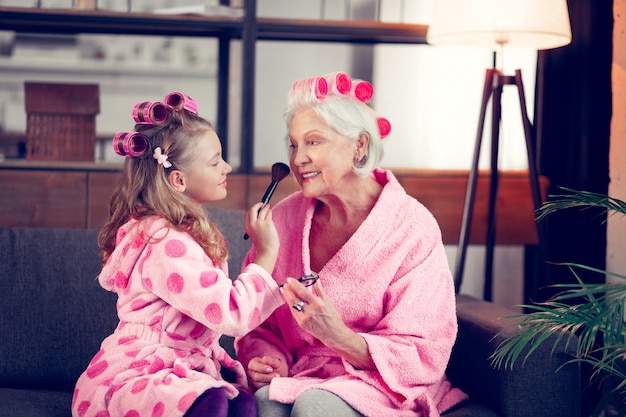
320, 157
204, 180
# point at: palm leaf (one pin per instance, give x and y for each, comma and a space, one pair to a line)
584, 199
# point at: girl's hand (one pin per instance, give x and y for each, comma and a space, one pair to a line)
259, 225
261, 371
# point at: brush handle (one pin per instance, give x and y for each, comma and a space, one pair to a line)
268, 193
266, 199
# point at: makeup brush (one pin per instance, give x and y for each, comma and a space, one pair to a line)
279, 171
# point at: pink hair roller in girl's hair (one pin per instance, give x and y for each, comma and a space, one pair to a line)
384, 127
339, 82
130, 144
150, 112
362, 90
179, 101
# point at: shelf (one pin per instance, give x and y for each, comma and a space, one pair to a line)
340, 31
71, 21
249, 29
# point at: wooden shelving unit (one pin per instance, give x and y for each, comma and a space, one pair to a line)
248, 29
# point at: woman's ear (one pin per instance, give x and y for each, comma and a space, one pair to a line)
362, 143
177, 180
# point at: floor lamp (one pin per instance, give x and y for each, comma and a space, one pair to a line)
496, 24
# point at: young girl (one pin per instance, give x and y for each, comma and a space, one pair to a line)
167, 263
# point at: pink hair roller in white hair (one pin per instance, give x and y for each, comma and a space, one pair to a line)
316, 86
339, 83
150, 112
179, 101
130, 144
384, 127
362, 90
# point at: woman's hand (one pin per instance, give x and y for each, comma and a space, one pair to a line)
319, 317
259, 225
261, 371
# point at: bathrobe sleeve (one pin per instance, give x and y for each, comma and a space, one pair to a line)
177, 270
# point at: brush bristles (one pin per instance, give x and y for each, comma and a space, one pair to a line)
279, 171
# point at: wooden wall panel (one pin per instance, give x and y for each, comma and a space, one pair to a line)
79, 198
100, 190
43, 198
443, 193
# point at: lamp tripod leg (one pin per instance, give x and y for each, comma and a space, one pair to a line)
494, 180
468, 206
533, 174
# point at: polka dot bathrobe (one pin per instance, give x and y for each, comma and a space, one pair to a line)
174, 303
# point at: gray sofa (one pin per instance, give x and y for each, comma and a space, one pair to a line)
54, 316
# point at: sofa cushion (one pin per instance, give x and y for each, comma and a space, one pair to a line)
54, 312
520, 392
35, 403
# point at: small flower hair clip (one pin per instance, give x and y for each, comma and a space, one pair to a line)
161, 158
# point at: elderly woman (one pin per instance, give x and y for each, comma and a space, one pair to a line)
372, 336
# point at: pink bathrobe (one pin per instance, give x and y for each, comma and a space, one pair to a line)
391, 284
174, 303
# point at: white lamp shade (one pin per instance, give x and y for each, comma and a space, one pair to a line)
536, 24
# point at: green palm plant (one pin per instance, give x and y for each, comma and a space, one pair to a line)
588, 318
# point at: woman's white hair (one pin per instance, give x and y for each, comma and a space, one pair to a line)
345, 114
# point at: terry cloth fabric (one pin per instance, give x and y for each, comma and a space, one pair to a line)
391, 283
173, 305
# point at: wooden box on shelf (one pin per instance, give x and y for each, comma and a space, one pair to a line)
61, 121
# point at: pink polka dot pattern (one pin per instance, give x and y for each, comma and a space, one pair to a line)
139, 364
97, 368
102, 414
213, 313
175, 248
138, 304
180, 371
158, 410
83, 407
139, 385
197, 331
175, 283
156, 365
255, 319
147, 282
132, 413
127, 340
186, 401
208, 278
121, 234
121, 280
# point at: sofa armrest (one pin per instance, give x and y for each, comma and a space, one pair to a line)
543, 385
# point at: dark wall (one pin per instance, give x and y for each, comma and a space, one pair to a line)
573, 115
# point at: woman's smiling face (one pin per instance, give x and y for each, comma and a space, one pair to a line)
320, 157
